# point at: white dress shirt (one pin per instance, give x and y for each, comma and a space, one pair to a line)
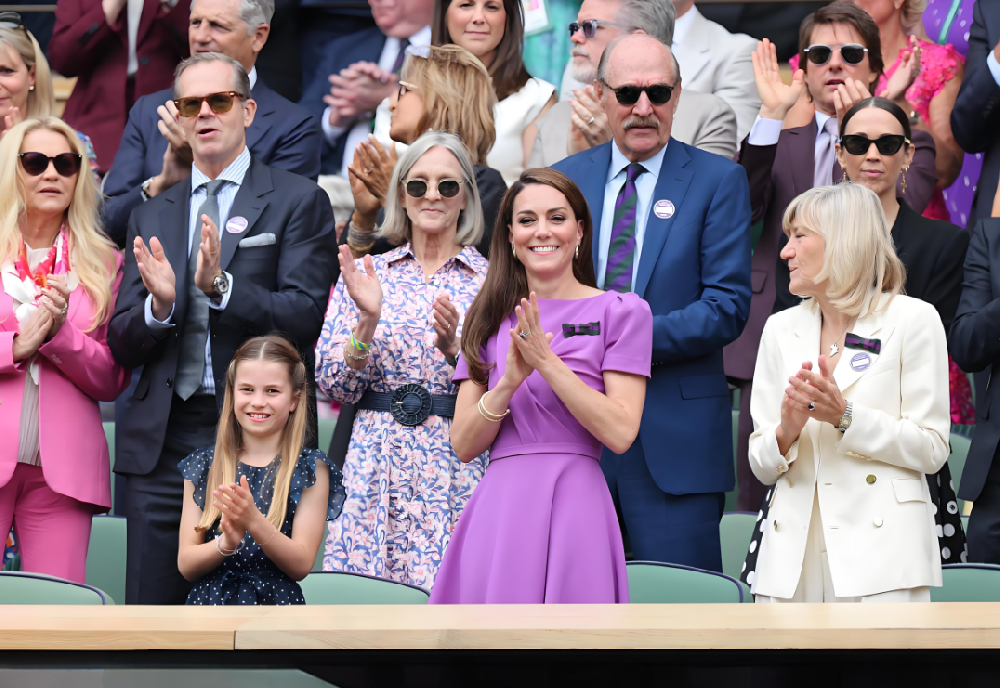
359, 132
645, 186
991, 62
683, 24
233, 174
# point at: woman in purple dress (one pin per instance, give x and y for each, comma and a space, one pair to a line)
559, 371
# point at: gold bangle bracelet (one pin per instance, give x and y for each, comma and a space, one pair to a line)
489, 415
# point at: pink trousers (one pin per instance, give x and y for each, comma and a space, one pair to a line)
52, 530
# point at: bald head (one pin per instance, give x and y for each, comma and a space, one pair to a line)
641, 50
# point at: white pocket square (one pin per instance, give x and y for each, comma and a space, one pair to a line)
258, 240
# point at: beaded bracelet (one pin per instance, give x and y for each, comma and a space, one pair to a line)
218, 546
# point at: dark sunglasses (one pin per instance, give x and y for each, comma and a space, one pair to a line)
221, 103
852, 53
589, 27
887, 144
658, 94
447, 188
12, 20
67, 164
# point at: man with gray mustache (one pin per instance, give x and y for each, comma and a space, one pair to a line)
671, 224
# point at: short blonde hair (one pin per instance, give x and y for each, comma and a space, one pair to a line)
859, 261
911, 13
93, 253
397, 228
41, 100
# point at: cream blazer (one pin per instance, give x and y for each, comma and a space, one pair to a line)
878, 520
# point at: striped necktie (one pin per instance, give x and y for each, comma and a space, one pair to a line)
621, 252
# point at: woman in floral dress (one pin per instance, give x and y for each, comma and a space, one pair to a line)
389, 345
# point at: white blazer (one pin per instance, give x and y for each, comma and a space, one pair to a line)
878, 520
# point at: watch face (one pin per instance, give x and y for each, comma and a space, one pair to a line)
845, 422
221, 284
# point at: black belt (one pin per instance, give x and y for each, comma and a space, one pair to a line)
409, 405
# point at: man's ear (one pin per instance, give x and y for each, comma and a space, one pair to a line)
638, 32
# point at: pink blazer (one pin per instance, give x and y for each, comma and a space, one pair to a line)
76, 371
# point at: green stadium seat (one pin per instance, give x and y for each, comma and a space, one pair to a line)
735, 531
956, 462
968, 583
734, 493
106, 556
337, 587
109, 435
325, 433
35, 588
652, 582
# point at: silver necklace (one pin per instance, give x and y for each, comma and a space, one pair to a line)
834, 349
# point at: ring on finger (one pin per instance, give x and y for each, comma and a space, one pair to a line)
591, 120
812, 405
523, 334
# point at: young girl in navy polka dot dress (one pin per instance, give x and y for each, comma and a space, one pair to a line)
266, 516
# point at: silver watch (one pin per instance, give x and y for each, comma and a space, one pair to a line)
220, 285
845, 420
144, 189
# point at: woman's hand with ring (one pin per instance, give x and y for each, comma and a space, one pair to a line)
446, 327
55, 299
819, 389
534, 347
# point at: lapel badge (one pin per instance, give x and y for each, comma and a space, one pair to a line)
236, 225
663, 209
860, 362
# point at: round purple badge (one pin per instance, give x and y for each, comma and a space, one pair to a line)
860, 362
663, 209
236, 225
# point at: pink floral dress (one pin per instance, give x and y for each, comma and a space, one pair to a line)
406, 487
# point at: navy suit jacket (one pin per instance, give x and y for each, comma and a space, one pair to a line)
282, 287
694, 272
282, 135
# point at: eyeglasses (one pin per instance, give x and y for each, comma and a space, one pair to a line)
404, 88
221, 103
658, 94
67, 164
887, 144
447, 188
590, 27
852, 53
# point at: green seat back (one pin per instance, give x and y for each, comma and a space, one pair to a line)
324, 433
106, 556
109, 435
35, 588
956, 462
968, 583
318, 564
735, 532
651, 582
336, 587
734, 493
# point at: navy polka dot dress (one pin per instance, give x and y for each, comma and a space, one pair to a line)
249, 577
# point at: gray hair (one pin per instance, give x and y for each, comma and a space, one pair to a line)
602, 66
655, 17
396, 227
241, 82
254, 13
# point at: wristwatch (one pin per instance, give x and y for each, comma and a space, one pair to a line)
220, 285
845, 420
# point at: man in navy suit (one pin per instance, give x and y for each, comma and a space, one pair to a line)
282, 135
672, 224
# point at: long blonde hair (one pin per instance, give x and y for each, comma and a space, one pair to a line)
41, 100
92, 252
229, 438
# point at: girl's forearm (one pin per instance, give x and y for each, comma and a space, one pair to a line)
195, 561
287, 554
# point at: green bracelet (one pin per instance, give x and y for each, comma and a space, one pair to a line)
358, 346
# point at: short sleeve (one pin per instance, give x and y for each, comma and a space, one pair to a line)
462, 368
195, 469
304, 476
629, 339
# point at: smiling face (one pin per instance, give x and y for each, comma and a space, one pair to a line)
263, 397
16, 79
804, 253
872, 169
545, 232
48, 193
586, 53
214, 138
822, 80
432, 213
215, 27
477, 25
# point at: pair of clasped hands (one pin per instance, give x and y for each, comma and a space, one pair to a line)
45, 323
809, 387
239, 512
527, 354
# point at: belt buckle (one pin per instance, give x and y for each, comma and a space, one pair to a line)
411, 404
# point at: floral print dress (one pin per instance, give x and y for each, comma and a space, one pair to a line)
406, 487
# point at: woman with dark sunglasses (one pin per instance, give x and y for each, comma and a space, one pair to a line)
61, 275
875, 151
389, 346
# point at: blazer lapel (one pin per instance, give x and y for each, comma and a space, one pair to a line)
697, 50
868, 327
248, 205
593, 190
802, 156
671, 185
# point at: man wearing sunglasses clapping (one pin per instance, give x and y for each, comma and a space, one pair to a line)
238, 250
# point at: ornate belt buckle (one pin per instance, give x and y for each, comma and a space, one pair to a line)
411, 404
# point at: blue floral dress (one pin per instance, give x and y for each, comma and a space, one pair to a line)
249, 577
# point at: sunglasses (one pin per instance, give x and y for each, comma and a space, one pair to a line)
852, 53
221, 103
589, 27
887, 144
658, 94
67, 164
447, 188
404, 88
12, 20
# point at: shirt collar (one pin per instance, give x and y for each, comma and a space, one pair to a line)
253, 76
468, 256
422, 37
683, 25
821, 120
234, 173
619, 162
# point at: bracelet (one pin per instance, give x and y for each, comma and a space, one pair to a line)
270, 538
489, 415
359, 239
358, 346
218, 546
348, 354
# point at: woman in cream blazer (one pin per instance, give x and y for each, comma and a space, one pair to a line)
850, 410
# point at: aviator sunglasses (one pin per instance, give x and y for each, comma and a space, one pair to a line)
67, 164
658, 94
221, 103
887, 144
852, 53
589, 27
447, 188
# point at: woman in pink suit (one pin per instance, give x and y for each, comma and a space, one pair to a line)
60, 277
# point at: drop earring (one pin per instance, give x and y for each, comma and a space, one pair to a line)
902, 182
843, 177
576, 254
513, 251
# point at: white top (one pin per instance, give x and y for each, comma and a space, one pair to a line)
765, 132
683, 24
511, 116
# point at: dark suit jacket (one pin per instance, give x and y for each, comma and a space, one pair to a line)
694, 272
283, 287
974, 343
778, 174
933, 252
280, 61
84, 46
975, 119
282, 135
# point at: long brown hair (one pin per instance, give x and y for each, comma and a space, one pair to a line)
849, 14
506, 282
229, 438
507, 69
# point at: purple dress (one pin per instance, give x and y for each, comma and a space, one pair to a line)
541, 525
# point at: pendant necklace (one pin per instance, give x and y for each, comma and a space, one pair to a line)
834, 349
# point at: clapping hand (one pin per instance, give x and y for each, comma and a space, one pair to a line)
55, 299
776, 97
527, 353
820, 390
588, 122
11, 120
366, 201
171, 130
32, 335
906, 73
446, 327
209, 256
357, 90
363, 287
847, 95
239, 512
157, 276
